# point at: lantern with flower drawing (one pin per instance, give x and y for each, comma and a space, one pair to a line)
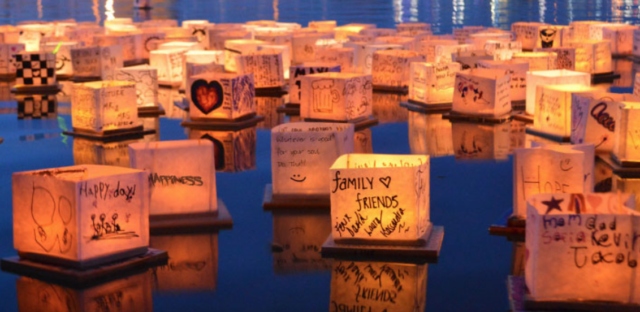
431, 83
220, 96
103, 106
336, 97
551, 77
482, 91
391, 68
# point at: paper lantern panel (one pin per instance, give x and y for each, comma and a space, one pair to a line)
7, 61
553, 108
35, 69
104, 105
302, 153
232, 48
593, 118
130, 43
297, 241
96, 62
432, 83
482, 92
170, 66
344, 57
336, 96
538, 60
298, 71
266, 67
220, 96
597, 53
627, 134
80, 214
517, 70
391, 68
552, 77
364, 58
63, 56
146, 79
389, 200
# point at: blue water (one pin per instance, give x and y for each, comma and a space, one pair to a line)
466, 197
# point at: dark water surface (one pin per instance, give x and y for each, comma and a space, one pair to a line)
236, 270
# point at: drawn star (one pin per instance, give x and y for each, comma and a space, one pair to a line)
553, 204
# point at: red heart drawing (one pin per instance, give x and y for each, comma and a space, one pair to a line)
206, 96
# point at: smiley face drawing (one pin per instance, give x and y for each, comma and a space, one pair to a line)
298, 178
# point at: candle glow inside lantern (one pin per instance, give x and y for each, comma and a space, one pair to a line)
567, 269
553, 108
284, 50
364, 58
181, 175
344, 57
342, 32
104, 105
627, 134
129, 43
96, 62
598, 54
303, 46
390, 190
63, 56
538, 60
303, 152
527, 33
575, 59
482, 91
219, 38
297, 72
146, 79
336, 96
431, 83
220, 96
232, 48
170, 66
517, 70
35, 70
80, 216
551, 77
266, 67
502, 50
621, 38
7, 62
391, 68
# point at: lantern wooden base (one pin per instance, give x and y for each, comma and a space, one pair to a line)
429, 251
522, 116
359, 123
276, 202
64, 77
88, 277
548, 136
110, 135
134, 62
7, 77
85, 264
224, 124
150, 111
1, 140
622, 169
426, 108
509, 226
289, 109
276, 91
191, 222
604, 77
37, 90
518, 105
85, 79
454, 116
390, 89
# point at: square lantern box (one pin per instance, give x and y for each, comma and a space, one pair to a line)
502, 50
428, 48
35, 71
389, 190
344, 57
431, 83
526, 32
210, 61
470, 59
538, 60
30, 38
336, 97
80, 216
309, 68
266, 67
626, 148
482, 92
181, 175
323, 25
93, 152
103, 107
548, 169
570, 270
146, 79
378, 286
64, 68
413, 28
304, 46
551, 77
219, 96
429, 134
234, 151
478, 40
217, 41
342, 32
481, 141
7, 61
364, 58
378, 32
581, 30
462, 34
598, 54
131, 48
391, 68
170, 66
621, 38
575, 59
406, 42
276, 37
37, 106
93, 63
517, 70
232, 48
553, 109
149, 40
303, 152
283, 50
201, 30
298, 251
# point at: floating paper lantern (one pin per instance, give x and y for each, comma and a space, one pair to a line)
94, 152
37, 106
198, 29
170, 66
431, 83
302, 152
428, 48
336, 96
527, 33
478, 40
582, 270
570, 58
470, 59
598, 54
96, 62
344, 57
35, 70
462, 34
517, 70
476, 141
131, 46
621, 38
304, 46
553, 108
391, 68
406, 42
181, 175
581, 29
298, 250
502, 50
342, 32
552, 77
104, 106
219, 38
538, 60
413, 28
220, 96
430, 134
627, 133
232, 48
149, 40
234, 150
81, 215
7, 62
297, 72
364, 58
551, 169
202, 62
64, 68
390, 190
146, 79
266, 67
284, 50
482, 91
30, 37
323, 25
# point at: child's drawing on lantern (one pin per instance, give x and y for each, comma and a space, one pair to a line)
243, 92
547, 36
324, 96
470, 90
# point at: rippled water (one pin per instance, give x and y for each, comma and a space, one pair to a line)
237, 270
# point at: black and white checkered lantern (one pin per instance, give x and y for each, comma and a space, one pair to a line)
35, 69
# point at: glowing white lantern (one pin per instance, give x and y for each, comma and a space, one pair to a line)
551, 169
170, 66
234, 150
274, 36
526, 33
344, 57
146, 79
552, 77
180, 45
364, 60
502, 50
627, 133
342, 32
129, 43
81, 216
428, 48
199, 29
470, 59
148, 42
621, 38
220, 96
7, 62
538, 60
304, 46
181, 175
482, 91
219, 39
30, 38
299, 151
200, 62
265, 66
284, 50
581, 29
517, 69
462, 34
430, 134
96, 62
431, 83
63, 56
553, 108
323, 26
413, 28
598, 54
232, 48
336, 96
104, 106
388, 187
582, 270
570, 58
391, 68
35, 70
297, 72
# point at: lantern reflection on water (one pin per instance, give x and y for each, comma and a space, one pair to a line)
482, 91
234, 151
37, 106
430, 134
475, 141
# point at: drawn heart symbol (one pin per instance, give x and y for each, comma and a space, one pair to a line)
207, 97
595, 201
386, 181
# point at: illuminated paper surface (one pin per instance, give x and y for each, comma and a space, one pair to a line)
7, 61
146, 79
220, 96
96, 62
170, 66
235, 47
104, 105
266, 67
344, 57
432, 83
553, 108
538, 60
35, 69
297, 72
482, 92
391, 68
336, 96
551, 77
517, 70
627, 133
